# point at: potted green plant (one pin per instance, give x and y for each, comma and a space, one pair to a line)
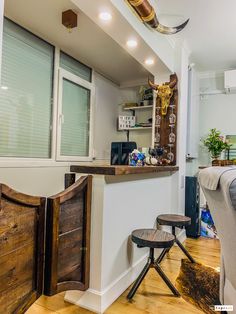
215, 143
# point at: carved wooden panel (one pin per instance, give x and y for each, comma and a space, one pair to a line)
21, 250
68, 238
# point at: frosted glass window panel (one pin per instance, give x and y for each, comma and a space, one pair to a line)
73, 66
25, 94
75, 122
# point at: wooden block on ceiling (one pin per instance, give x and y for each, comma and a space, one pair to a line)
69, 19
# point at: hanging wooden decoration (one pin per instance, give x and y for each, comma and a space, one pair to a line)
166, 117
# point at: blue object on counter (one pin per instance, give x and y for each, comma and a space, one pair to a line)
137, 159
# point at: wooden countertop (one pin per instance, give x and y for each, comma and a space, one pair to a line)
121, 170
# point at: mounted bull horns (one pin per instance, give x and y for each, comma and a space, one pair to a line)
148, 15
152, 85
165, 92
173, 81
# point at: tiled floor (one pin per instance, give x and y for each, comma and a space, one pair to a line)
153, 297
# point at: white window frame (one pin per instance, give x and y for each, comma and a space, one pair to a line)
64, 74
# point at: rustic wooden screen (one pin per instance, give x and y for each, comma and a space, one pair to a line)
68, 238
21, 250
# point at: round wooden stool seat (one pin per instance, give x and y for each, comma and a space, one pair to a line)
174, 220
152, 238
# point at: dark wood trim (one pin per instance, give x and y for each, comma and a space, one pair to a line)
71, 191
51, 252
19, 197
122, 170
51, 284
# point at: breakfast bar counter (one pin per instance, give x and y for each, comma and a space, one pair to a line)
121, 170
124, 198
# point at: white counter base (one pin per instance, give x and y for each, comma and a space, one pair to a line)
119, 206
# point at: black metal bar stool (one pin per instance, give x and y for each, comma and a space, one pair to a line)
152, 238
174, 221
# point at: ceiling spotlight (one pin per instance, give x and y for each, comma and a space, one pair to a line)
105, 16
149, 61
132, 43
4, 87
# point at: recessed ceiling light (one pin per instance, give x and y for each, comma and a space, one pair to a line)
105, 16
132, 43
149, 61
4, 87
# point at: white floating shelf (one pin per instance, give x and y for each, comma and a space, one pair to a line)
139, 108
137, 128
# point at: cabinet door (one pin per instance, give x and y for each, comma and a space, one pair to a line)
21, 250
68, 239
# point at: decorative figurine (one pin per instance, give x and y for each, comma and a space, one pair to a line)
136, 158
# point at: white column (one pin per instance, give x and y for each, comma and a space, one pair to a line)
181, 68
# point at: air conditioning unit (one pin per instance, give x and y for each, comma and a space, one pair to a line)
230, 81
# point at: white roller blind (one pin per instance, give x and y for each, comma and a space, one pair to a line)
75, 121
25, 94
73, 66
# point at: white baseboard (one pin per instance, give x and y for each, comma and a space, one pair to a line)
99, 301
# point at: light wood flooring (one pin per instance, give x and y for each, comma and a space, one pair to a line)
153, 297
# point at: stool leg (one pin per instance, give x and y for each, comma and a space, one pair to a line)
140, 278
162, 255
166, 280
192, 260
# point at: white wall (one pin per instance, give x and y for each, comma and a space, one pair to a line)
109, 98
216, 111
106, 113
43, 181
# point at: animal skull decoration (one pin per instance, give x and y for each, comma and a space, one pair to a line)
147, 14
165, 92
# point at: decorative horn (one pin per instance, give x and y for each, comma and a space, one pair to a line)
173, 81
148, 15
152, 85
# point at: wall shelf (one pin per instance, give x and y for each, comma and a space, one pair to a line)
137, 128
139, 108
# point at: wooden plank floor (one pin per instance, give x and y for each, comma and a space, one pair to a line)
153, 297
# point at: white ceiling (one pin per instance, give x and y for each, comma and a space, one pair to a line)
211, 33
88, 43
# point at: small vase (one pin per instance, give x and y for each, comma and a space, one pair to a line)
215, 160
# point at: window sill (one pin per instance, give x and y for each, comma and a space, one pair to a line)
38, 163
